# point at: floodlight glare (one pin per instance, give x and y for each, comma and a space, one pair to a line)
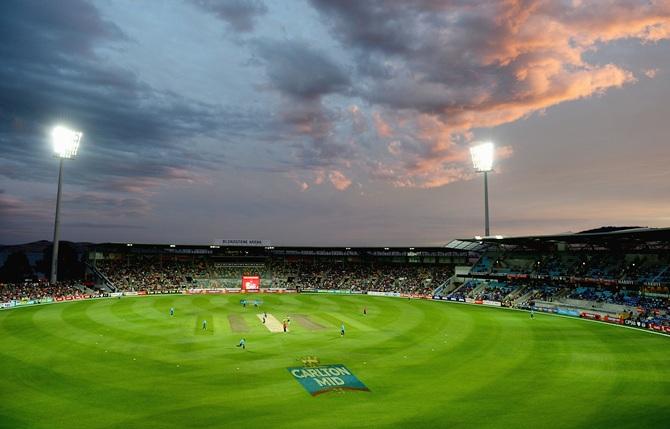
66, 144
482, 157
65, 141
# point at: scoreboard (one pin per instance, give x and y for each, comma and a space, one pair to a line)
251, 283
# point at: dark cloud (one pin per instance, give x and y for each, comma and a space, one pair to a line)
239, 14
303, 76
96, 226
385, 26
103, 203
51, 73
32, 28
19, 219
299, 70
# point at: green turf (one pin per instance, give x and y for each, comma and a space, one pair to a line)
128, 364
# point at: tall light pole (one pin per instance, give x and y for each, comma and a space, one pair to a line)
482, 159
65, 144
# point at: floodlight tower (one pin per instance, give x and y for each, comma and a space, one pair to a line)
65, 144
482, 159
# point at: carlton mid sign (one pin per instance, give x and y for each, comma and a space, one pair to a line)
321, 379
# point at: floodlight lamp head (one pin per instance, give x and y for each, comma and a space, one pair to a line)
65, 142
482, 157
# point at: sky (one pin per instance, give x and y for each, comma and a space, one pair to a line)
333, 123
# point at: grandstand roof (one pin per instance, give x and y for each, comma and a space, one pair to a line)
262, 251
603, 237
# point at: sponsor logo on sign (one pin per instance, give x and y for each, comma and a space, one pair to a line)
325, 378
251, 283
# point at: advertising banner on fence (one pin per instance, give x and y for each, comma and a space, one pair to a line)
591, 316
566, 312
204, 291
659, 328
335, 291
637, 324
449, 298
610, 319
377, 293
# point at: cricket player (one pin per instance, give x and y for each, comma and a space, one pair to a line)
204, 324
342, 330
171, 311
242, 343
532, 314
365, 311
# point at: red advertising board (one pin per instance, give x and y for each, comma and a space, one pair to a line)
611, 319
591, 316
251, 283
659, 328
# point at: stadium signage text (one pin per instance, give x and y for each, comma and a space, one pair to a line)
241, 242
321, 379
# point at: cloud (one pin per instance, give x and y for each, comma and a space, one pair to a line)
651, 73
440, 70
302, 76
52, 72
339, 180
10, 206
19, 218
381, 126
98, 226
111, 205
239, 14
297, 69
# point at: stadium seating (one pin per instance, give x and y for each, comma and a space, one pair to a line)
151, 274
35, 291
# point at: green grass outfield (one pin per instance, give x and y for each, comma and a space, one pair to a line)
127, 364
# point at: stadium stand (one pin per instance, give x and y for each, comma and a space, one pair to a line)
619, 273
35, 291
151, 275
624, 273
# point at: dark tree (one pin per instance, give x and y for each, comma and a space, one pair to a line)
16, 268
70, 267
